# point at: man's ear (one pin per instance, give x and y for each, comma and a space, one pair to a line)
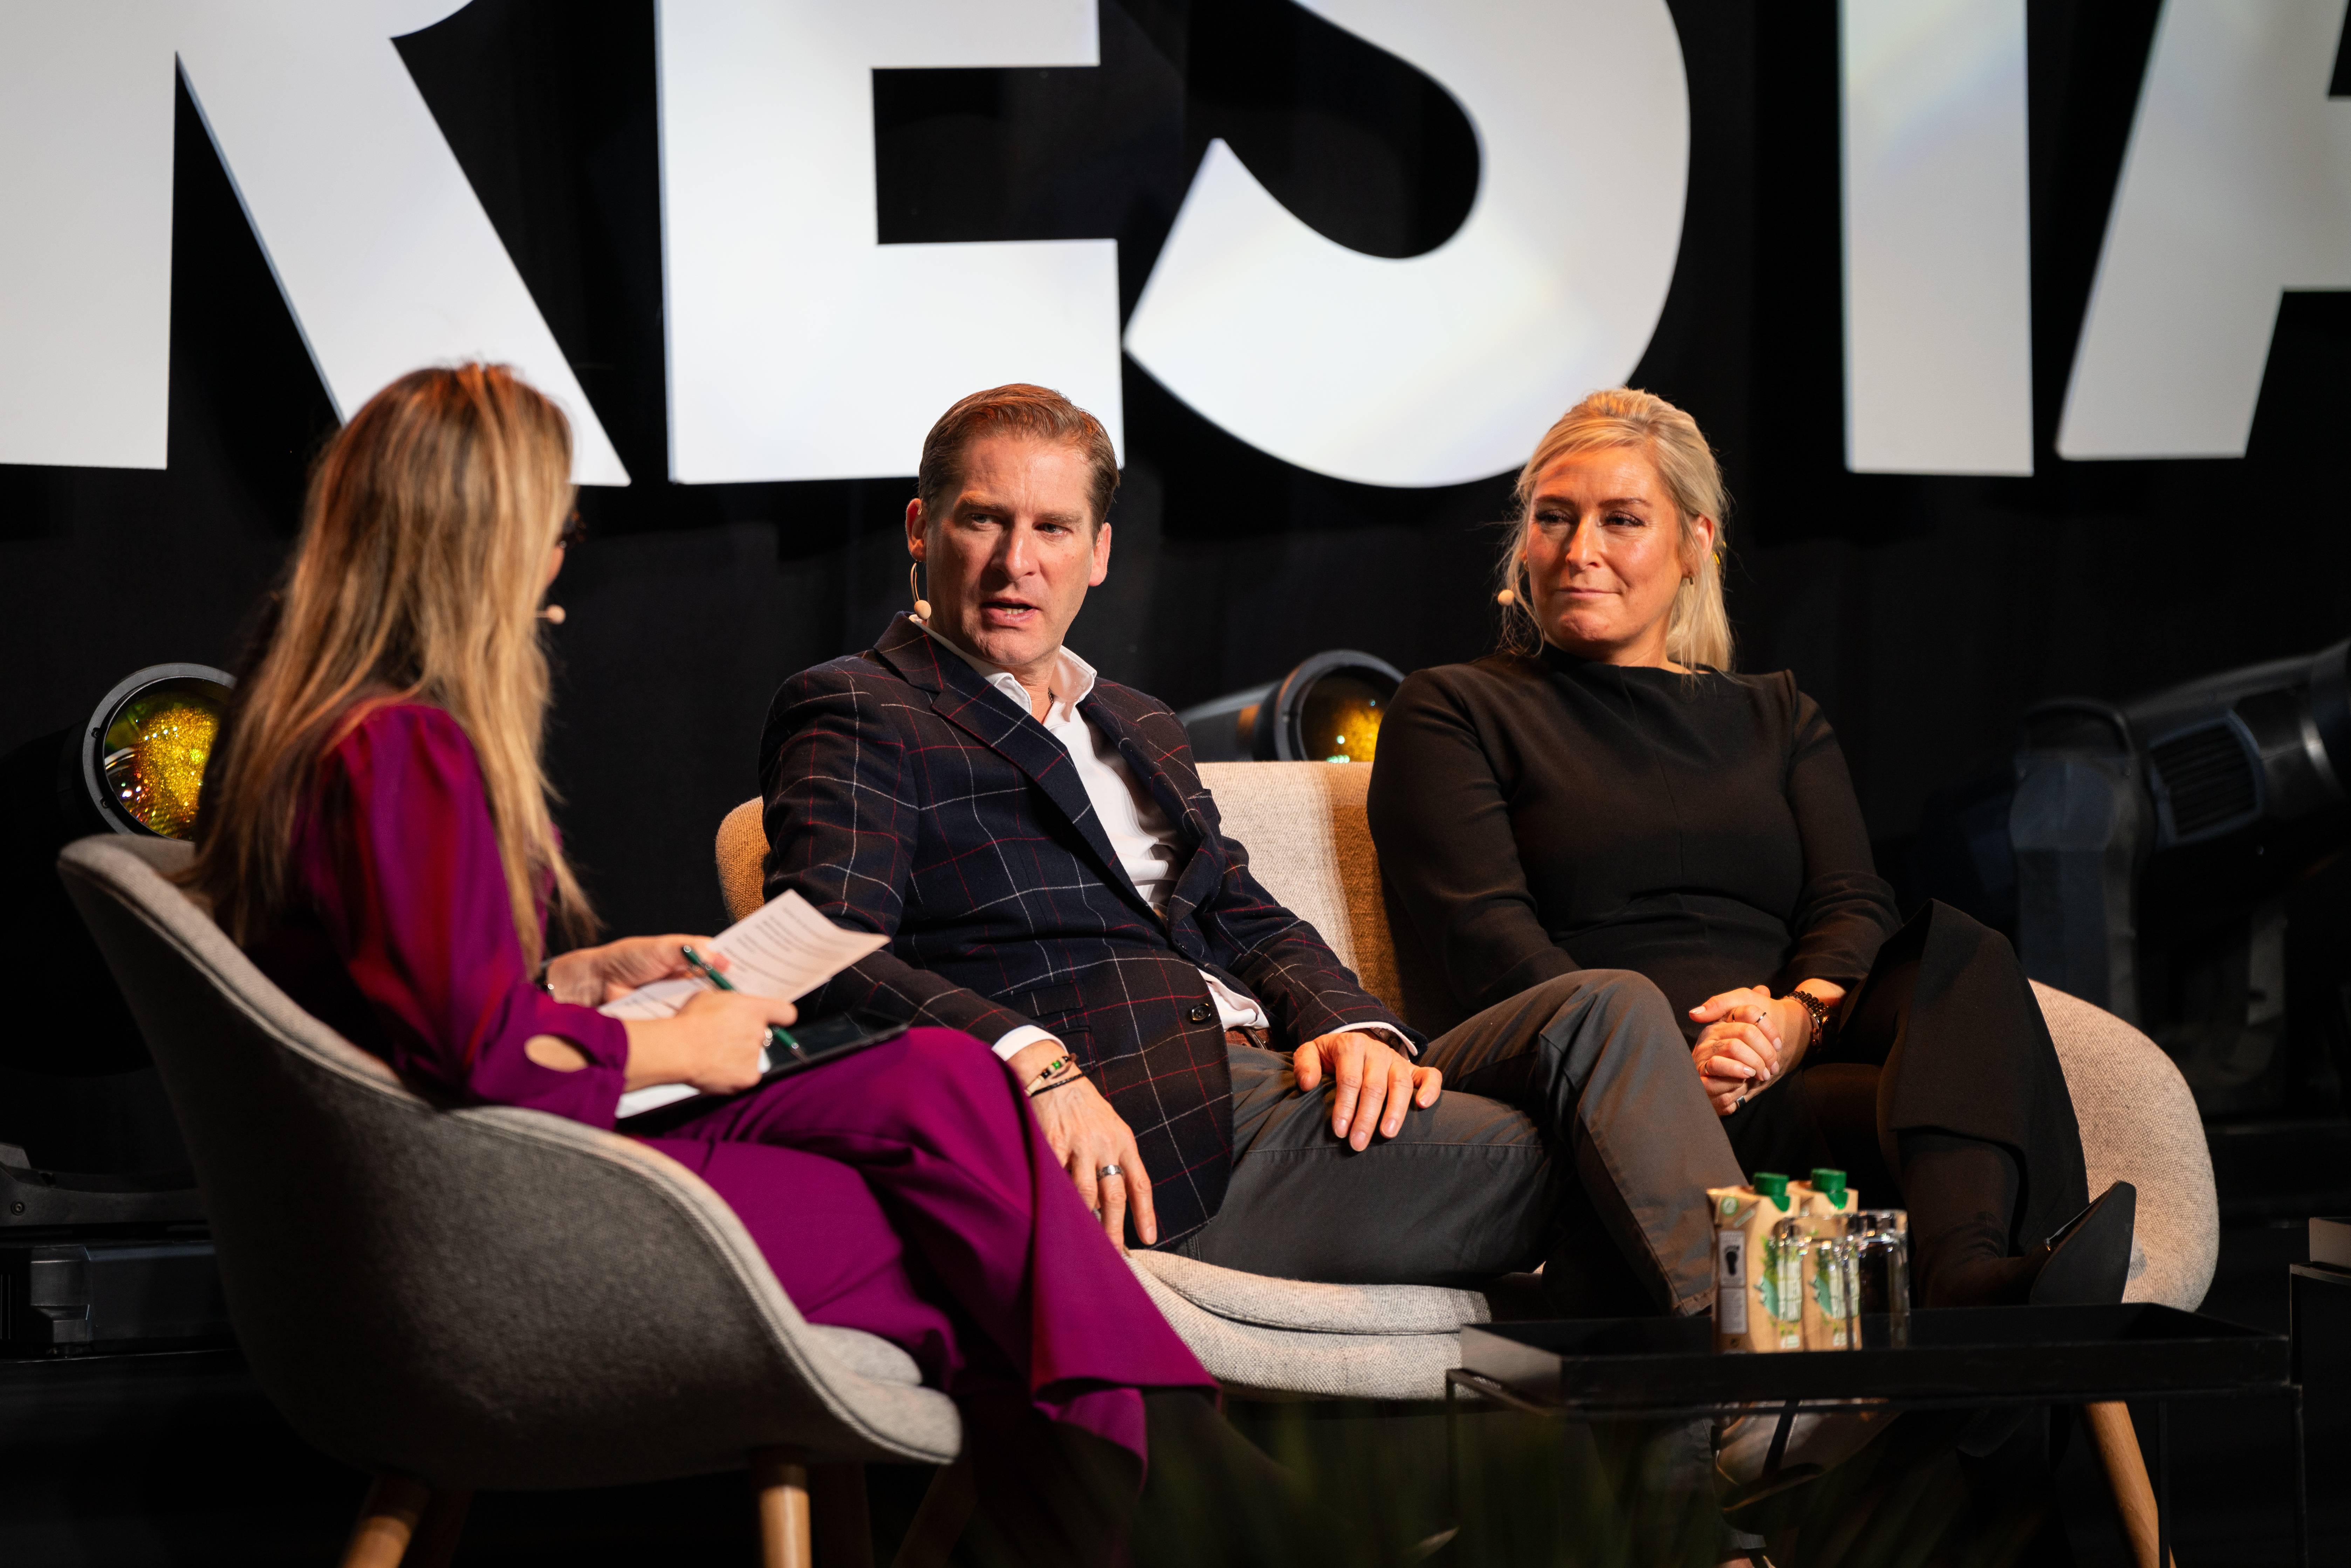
916, 545
1100, 571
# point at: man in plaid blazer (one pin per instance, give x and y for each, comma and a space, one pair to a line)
1038, 846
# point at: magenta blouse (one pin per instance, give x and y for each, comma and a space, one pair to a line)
409, 950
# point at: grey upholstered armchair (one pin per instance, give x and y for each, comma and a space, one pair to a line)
481, 1299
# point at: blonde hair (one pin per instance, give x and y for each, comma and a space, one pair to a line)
1697, 628
417, 578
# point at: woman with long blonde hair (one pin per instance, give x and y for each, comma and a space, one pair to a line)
1605, 793
376, 833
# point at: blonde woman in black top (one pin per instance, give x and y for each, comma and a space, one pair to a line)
1605, 793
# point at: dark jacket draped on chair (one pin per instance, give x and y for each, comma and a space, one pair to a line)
906, 796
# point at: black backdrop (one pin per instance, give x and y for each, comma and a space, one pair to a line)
1922, 612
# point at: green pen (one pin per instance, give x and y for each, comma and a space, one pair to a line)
776, 1033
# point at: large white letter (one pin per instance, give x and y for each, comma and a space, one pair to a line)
1938, 255
2237, 186
800, 347
1444, 366
86, 263
385, 257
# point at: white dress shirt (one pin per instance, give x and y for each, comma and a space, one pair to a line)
1140, 836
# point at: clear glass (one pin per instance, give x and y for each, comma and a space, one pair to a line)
1882, 1288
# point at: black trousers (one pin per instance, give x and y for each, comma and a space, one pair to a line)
1945, 1035
1572, 1133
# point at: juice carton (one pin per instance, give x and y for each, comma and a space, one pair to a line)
1756, 1303
1811, 1240
1824, 1200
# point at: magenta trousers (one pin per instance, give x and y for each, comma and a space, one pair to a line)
908, 1191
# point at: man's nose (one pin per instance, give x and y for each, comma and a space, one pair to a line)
1016, 557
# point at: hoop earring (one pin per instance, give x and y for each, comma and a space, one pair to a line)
914, 591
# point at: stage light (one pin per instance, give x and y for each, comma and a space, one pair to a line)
2146, 853
143, 756
1328, 709
78, 1091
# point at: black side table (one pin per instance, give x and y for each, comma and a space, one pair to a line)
1662, 1368
2319, 1299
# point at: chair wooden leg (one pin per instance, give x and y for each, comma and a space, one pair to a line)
938, 1522
779, 1483
2117, 1443
387, 1521
435, 1541
843, 1522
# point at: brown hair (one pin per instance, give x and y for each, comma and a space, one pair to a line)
1038, 413
1698, 629
417, 578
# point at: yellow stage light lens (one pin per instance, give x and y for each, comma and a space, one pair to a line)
156, 750
1349, 709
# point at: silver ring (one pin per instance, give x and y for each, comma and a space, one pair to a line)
1108, 1171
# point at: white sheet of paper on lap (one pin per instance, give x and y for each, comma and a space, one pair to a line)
783, 948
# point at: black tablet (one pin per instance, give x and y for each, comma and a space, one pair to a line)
819, 1041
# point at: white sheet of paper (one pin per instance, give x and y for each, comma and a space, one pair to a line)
783, 948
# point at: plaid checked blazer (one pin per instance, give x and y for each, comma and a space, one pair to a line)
906, 796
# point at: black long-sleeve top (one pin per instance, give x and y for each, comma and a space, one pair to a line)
1540, 815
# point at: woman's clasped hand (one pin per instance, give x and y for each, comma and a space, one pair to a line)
1739, 1053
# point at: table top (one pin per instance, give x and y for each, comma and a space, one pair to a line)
1977, 1355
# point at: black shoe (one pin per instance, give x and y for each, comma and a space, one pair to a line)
2088, 1261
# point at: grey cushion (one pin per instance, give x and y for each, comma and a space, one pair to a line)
867, 1355
492, 1297
1252, 1360
1255, 1299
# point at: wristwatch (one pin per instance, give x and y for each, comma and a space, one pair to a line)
1818, 1010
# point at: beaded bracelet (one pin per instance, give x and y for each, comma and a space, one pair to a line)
1059, 1062
1058, 1084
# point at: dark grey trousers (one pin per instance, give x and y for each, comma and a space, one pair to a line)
1571, 1133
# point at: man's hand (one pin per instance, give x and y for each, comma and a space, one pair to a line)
1086, 1134
1373, 1076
